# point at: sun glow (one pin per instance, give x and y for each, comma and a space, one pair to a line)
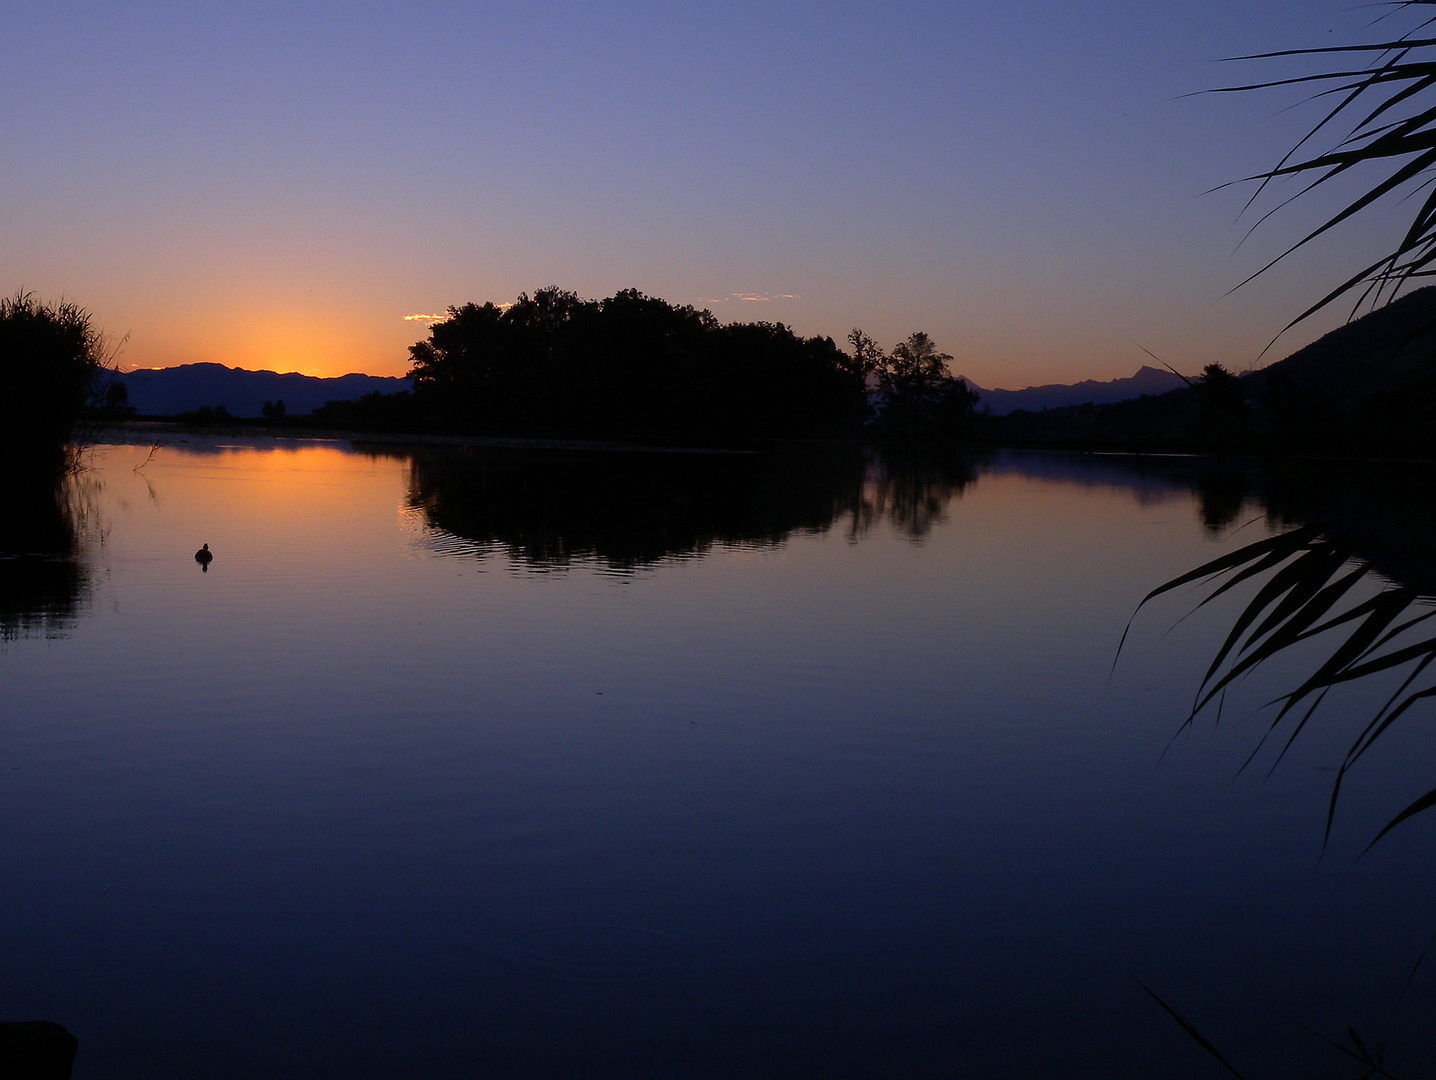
326, 343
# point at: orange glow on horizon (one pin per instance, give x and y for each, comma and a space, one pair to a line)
326, 344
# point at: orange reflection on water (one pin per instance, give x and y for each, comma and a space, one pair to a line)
251, 503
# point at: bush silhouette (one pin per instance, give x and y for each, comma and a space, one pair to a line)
50, 358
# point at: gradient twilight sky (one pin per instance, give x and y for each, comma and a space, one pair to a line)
277, 185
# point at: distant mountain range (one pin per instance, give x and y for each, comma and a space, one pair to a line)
1148, 380
1385, 358
1365, 389
190, 387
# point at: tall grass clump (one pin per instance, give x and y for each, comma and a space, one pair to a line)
51, 357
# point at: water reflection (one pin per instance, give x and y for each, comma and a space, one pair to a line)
1346, 578
630, 509
1385, 513
1382, 513
844, 797
43, 583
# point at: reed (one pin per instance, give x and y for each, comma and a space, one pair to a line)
1381, 116
1305, 586
51, 358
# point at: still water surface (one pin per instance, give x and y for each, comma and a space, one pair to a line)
521, 763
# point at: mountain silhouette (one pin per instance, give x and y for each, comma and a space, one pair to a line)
1382, 352
1365, 389
190, 387
1147, 380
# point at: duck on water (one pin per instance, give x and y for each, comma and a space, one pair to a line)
203, 557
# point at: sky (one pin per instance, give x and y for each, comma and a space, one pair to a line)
284, 186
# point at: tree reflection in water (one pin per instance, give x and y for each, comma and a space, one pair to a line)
43, 583
633, 508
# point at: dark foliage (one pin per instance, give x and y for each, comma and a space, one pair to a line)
1163, 422
1355, 580
392, 413
629, 366
110, 400
917, 396
1221, 396
206, 416
51, 357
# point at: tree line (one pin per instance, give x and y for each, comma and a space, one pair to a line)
635, 366
551, 364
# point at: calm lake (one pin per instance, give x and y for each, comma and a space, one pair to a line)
518, 762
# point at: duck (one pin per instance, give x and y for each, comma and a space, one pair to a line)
203, 556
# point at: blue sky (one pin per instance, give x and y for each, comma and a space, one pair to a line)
279, 185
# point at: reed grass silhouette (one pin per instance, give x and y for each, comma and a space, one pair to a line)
51, 361
1382, 115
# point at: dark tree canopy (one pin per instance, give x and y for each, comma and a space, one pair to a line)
916, 394
629, 366
50, 359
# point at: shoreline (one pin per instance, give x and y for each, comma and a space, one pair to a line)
160, 431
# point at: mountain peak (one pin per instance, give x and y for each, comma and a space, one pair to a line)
1147, 380
189, 387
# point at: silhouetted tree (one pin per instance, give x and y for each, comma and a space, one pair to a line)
205, 415
373, 412
1223, 398
917, 395
630, 365
868, 356
50, 357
